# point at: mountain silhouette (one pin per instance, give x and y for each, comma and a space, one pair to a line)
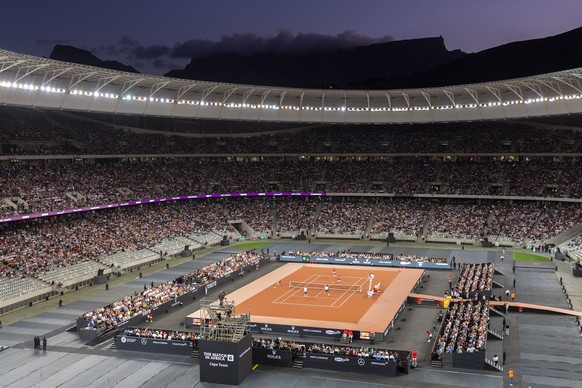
84, 57
400, 64
512, 60
341, 68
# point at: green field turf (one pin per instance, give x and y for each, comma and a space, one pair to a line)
529, 257
252, 245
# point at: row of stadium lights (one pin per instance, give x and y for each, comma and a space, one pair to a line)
284, 107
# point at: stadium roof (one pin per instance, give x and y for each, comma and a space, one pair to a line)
45, 83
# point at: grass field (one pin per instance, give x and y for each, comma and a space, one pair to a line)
529, 257
252, 245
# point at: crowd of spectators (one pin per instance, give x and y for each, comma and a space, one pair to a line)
56, 132
170, 335
474, 278
65, 184
295, 214
32, 247
556, 219
355, 351
347, 216
279, 344
464, 328
222, 268
513, 221
401, 217
368, 255
139, 303
349, 351
256, 212
459, 220
36, 246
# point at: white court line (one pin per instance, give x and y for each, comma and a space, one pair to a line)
314, 279
308, 281
307, 304
292, 292
349, 296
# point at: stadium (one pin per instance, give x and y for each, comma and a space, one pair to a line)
131, 204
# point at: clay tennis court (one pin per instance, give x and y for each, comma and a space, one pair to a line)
270, 299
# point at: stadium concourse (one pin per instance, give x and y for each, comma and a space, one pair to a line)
69, 362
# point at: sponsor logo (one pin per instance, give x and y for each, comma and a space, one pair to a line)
274, 355
292, 330
179, 343
266, 327
312, 330
405, 263
159, 343
123, 340
420, 263
378, 363
361, 362
218, 364
218, 356
332, 332
341, 359
144, 341
318, 357
211, 285
340, 260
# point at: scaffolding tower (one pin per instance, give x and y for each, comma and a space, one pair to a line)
219, 321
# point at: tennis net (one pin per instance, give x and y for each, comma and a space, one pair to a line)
321, 286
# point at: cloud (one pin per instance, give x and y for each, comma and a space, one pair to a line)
166, 57
150, 52
161, 63
128, 41
285, 42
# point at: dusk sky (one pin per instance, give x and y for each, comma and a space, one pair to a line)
155, 36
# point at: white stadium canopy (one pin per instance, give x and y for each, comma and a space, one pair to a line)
45, 83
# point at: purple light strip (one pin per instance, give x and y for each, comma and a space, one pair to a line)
166, 199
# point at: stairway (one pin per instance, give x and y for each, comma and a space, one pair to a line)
497, 272
298, 362
494, 335
426, 226
113, 345
195, 354
490, 365
498, 312
371, 220
496, 284
436, 363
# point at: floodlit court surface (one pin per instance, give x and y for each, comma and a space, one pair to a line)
270, 299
